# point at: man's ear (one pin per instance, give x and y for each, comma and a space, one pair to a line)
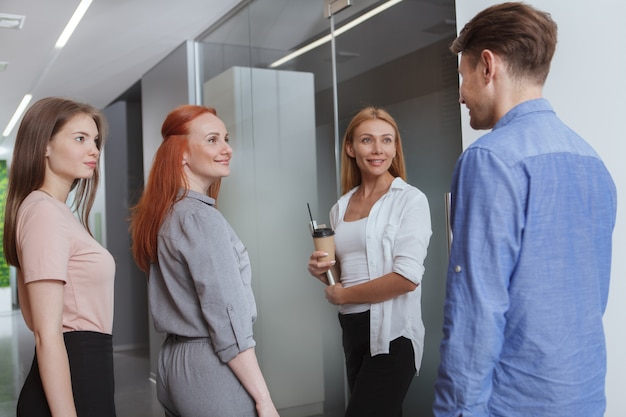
489, 63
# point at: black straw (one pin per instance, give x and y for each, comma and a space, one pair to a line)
310, 215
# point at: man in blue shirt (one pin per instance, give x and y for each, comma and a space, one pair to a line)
532, 215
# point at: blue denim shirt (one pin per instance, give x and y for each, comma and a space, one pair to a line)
533, 211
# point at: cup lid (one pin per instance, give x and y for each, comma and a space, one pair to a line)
323, 232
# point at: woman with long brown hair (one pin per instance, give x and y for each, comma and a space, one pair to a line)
382, 230
199, 278
64, 277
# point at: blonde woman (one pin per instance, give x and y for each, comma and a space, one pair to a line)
382, 231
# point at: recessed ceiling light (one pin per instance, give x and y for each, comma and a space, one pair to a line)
11, 21
3, 65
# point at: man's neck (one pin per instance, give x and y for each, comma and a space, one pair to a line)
516, 94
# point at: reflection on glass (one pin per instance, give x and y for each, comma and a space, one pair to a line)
397, 59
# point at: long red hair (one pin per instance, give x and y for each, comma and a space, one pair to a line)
165, 180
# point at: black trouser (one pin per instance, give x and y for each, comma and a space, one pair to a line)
90, 356
378, 384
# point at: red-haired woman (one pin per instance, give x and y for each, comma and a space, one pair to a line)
382, 230
199, 282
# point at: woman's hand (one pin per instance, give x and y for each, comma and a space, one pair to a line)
334, 294
381, 289
318, 268
246, 367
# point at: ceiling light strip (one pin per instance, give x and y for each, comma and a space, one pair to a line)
18, 113
73, 23
338, 32
65, 36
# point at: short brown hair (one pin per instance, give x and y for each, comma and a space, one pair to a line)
522, 35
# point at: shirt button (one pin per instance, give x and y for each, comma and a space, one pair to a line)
457, 268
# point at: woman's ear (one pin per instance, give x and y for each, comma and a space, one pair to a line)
349, 149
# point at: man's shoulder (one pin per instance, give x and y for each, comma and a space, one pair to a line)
532, 135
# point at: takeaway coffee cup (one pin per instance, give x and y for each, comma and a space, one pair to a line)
324, 240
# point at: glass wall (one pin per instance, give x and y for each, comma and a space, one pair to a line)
283, 116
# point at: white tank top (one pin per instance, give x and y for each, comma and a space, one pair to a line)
350, 252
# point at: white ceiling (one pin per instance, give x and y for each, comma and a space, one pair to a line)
115, 44
118, 41
276, 27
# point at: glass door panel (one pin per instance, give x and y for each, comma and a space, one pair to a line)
397, 59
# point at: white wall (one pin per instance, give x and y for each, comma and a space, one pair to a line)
587, 88
270, 117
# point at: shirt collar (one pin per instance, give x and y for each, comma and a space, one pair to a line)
530, 106
398, 183
197, 196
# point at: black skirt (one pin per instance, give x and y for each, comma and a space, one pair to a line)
90, 357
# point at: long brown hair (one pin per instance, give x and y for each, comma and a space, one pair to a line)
166, 178
28, 167
350, 172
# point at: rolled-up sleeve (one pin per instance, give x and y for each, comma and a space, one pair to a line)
412, 236
211, 250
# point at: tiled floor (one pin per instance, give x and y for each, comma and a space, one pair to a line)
135, 395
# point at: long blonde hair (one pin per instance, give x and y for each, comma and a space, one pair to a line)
350, 172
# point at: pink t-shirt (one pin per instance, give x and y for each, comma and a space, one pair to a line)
53, 244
